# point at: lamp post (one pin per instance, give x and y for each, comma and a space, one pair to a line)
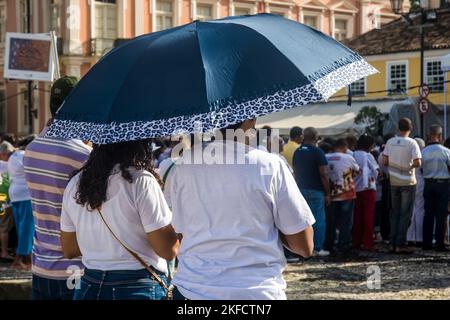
30, 83
427, 15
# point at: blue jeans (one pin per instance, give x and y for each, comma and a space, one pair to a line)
49, 289
341, 215
402, 209
120, 285
177, 295
316, 202
435, 219
24, 221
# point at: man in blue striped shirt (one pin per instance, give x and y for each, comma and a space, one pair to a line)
436, 172
48, 166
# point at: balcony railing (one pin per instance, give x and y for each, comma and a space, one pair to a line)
101, 46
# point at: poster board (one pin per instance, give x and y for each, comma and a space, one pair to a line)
29, 57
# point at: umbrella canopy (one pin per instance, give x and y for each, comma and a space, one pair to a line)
205, 75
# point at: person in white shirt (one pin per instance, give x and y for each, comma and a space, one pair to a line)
115, 216
415, 230
366, 194
6, 213
436, 172
402, 156
234, 218
21, 202
342, 168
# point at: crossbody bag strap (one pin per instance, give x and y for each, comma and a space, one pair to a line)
166, 174
138, 258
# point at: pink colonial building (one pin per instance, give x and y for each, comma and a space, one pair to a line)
87, 29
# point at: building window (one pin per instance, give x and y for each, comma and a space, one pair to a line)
340, 29
106, 25
23, 16
2, 21
435, 76
279, 12
240, 11
106, 19
164, 15
204, 11
311, 21
55, 16
397, 82
358, 88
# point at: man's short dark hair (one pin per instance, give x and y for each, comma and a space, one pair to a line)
310, 134
351, 141
365, 142
326, 147
405, 124
296, 132
447, 143
340, 144
435, 130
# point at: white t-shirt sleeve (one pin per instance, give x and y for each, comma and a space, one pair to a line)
66, 223
415, 151
373, 165
354, 164
292, 214
387, 149
151, 204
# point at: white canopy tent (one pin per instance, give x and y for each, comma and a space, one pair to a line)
331, 119
445, 65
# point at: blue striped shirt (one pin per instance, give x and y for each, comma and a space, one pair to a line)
48, 166
436, 160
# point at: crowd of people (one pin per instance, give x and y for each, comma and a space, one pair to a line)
16, 215
126, 215
369, 190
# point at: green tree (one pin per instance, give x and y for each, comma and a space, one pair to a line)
371, 119
415, 5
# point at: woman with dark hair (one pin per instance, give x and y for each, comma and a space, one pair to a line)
115, 216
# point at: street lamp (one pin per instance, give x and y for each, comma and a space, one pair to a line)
428, 17
397, 6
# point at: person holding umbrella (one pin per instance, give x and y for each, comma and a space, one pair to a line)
215, 75
114, 215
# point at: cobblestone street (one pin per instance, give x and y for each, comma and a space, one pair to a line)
417, 276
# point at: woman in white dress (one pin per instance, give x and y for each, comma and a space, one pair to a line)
415, 228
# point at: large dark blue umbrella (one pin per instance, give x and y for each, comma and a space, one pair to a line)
205, 75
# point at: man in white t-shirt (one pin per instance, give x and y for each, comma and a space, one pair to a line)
342, 168
402, 156
234, 218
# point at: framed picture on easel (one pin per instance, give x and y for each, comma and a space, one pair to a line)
29, 57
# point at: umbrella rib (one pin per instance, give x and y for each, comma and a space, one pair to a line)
109, 120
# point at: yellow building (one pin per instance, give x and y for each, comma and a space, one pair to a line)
394, 50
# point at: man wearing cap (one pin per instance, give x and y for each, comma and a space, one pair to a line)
48, 166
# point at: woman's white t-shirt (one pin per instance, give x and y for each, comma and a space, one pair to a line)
18, 189
132, 210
